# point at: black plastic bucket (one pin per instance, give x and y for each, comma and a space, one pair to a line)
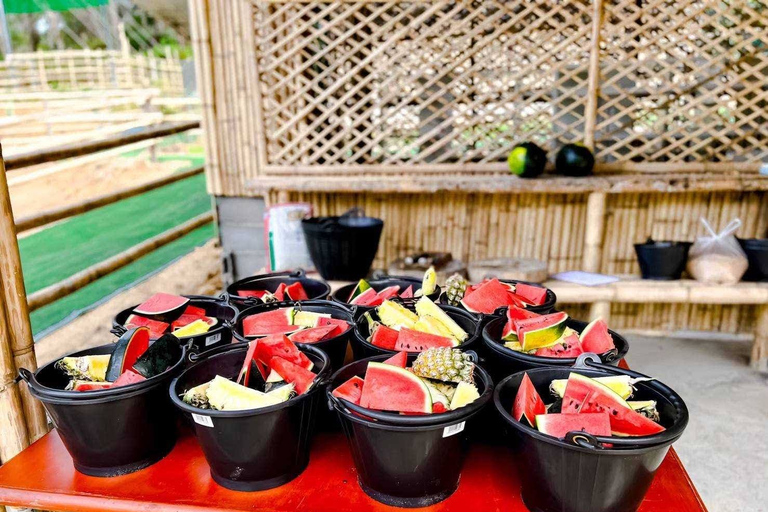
342, 248
336, 347
362, 348
215, 307
662, 260
114, 431
501, 361
562, 476
406, 461
316, 290
257, 449
542, 309
756, 250
342, 294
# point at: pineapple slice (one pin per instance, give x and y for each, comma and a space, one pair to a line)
425, 307
396, 316
465, 394
225, 395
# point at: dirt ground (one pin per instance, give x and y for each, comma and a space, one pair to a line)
196, 273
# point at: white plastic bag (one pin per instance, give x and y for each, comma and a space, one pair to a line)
286, 248
717, 258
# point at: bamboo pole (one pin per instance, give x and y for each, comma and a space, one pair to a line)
91, 274
595, 230
16, 312
593, 85
48, 216
759, 359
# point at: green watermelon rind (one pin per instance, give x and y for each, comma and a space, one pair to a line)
403, 373
361, 286
545, 336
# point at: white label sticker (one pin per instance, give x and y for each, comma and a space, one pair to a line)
206, 421
210, 340
452, 430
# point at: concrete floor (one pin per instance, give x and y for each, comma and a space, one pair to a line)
725, 447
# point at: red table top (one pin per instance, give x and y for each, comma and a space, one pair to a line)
43, 477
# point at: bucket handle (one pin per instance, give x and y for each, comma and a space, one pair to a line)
118, 330
584, 440
24, 375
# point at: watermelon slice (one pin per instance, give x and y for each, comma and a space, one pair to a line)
388, 293
384, 337
585, 395
488, 297
161, 355
294, 374
128, 377
278, 345
252, 293
277, 321
400, 359
390, 388
558, 425
362, 286
437, 408
186, 319
160, 303
417, 341
541, 331
296, 291
85, 385
244, 376
350, 390
313, 334
367, 298
280, 292
528, 403
342, 326
515, 313
194, 311
568, 346
536, 295
156, 327
128, 349
595, 337
407, 293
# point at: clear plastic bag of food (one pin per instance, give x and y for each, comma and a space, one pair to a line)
717, 258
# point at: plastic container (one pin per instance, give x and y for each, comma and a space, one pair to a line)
406, 461
336, 347
543, 309
342, 248
662, 260
362, 348
215, 307
109, 432
501, 361
316, 290
757, 256
256, 449
580, 474
342, 294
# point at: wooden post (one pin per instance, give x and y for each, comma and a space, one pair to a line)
594, 232
593, 85
759, 359
17, 314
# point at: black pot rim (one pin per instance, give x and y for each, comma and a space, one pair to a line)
664, 244
498, 347
383, 282
231, 291
548, 305
319, 384
393, 421
651, 442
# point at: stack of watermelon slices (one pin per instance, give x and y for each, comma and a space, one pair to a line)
391, 386
301, 326
597, 406
283, 292
489, 295
364, 295
282, 372
400, 329
163, 313
548, 336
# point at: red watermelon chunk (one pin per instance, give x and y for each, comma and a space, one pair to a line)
437, 408
296, 291
187, 319
278, 345
570, 347
388, 293
280, 292
536, 295
245, 372
407, 293
488, 297
390, 388
515, 313
86, 385
156, 327
368, 298
400, 359
342, 326
160, 303
350, 390
417, 341
313, 334
595, 338
276, 321
252, 293
128, 377
294, 374
528, 403
558, 425
194, 311
384, 337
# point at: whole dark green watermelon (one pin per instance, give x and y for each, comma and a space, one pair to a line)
575, 160
527, 160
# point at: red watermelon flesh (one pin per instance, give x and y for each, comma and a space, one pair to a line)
296, 291
384, 337
85, 385
570, 347
595, 337
437, 408
516, 313
278, 345
277, 321
388, 293
280, 292
294, 374
194, 311
585, 395
160, 303
536, 295
368, 298
407, 293
313, 334
187, 319
488, 297
528, 402
400, 359
245, 372
558, 425
128, 349
350, 390
342, 326
128, 377
252, 293
417, 341
390, 388
156, 327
